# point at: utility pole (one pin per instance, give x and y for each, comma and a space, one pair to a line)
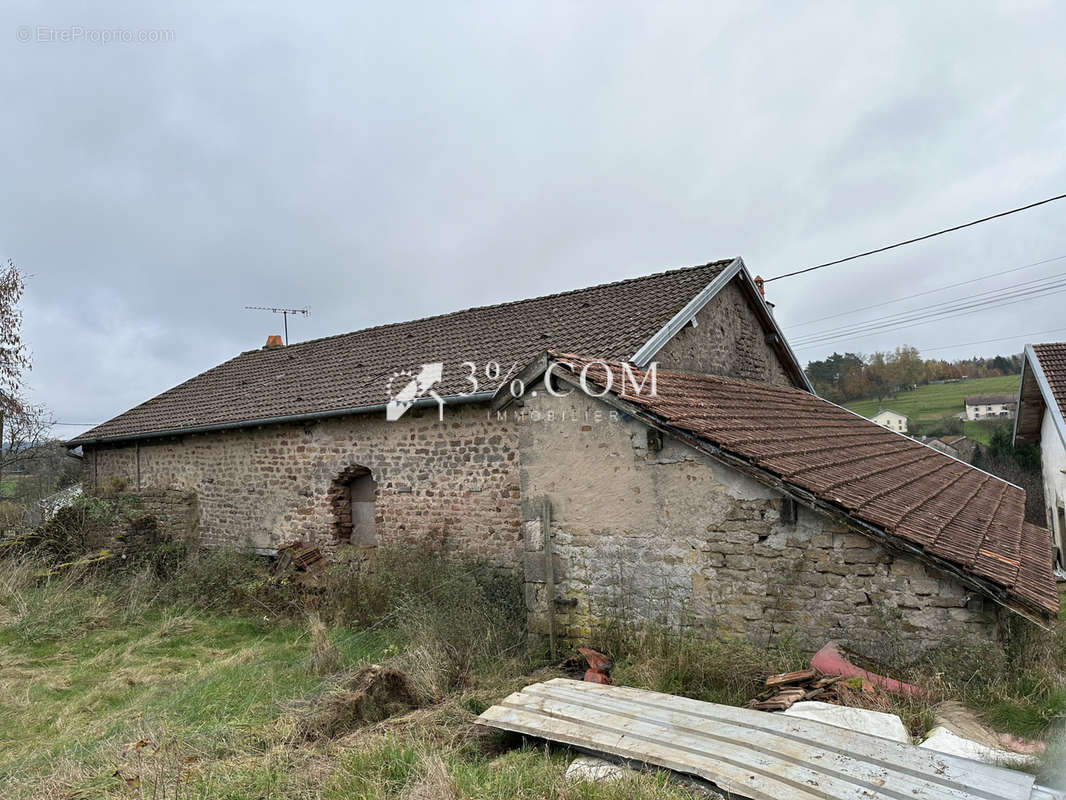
284, 312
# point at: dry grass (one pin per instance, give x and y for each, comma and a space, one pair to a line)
434, 782
325, 659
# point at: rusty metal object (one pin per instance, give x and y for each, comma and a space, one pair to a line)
599, 666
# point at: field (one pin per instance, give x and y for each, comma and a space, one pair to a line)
123, 685
935, 401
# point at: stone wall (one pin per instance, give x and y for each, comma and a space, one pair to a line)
728, 340
134, 520
673, 536
177, 513
452, 483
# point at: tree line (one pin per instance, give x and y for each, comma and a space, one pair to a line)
854, 376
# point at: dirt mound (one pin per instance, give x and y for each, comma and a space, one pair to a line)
371, 695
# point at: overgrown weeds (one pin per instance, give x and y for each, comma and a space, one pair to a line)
677, 661
1018, 686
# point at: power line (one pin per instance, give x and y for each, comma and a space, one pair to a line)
949, 314
986, 341
930, 291
916, 238
991, 298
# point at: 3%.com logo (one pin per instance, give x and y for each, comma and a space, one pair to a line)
417, 386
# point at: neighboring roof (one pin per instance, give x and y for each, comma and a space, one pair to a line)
930, 504
990, 399
952, 440
1043, 386
350, 373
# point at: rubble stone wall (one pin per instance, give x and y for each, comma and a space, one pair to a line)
452, 483
675, 537
728, 340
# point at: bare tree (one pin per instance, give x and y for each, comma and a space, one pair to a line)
22, 425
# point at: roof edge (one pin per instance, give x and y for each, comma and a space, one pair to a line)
675, 324
1051, 404
455, 399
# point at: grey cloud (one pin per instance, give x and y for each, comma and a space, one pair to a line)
382, 163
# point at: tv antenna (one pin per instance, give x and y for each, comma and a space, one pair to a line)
284, 312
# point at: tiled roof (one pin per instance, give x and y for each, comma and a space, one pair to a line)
1043, 387
353, 370
946, 509
1052, 357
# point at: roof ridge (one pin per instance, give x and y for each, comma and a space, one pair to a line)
506, 303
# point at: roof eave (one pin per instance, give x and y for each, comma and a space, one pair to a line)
476, 397
1051, 405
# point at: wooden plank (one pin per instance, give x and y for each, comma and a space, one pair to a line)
750, 753
789, 678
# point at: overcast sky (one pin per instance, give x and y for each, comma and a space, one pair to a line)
380, 162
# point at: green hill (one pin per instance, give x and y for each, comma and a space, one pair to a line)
935, 401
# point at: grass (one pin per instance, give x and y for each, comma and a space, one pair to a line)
934, 401
124, 685
114, 686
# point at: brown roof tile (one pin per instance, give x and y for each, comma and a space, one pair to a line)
940, 505
1052, 357
352, 370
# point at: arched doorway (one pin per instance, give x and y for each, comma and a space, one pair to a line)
354, 495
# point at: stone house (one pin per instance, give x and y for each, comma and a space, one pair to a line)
733, 500
1042, 420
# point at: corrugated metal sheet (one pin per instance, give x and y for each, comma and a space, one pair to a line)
749, 753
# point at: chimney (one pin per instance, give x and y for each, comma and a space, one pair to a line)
273, 341
759, 285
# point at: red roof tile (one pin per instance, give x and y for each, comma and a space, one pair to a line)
944, 507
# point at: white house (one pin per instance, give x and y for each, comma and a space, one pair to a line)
890, 419
986, 406
1042, 420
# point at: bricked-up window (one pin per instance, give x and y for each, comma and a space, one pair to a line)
353, 497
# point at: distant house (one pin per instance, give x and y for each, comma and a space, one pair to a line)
1042, 420
985, 406
890, 419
